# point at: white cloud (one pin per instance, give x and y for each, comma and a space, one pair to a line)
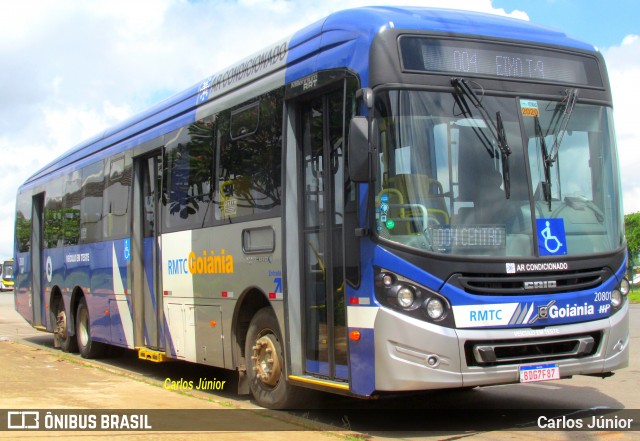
623, 63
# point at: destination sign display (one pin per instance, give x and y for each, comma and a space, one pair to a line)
498, 60
468, 236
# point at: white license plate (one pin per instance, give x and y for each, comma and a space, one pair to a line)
539, 372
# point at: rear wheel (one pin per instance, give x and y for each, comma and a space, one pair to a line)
88, 348
265, 363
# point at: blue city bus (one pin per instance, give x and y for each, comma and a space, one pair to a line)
392, 199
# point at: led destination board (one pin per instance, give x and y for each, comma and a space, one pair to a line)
497, 60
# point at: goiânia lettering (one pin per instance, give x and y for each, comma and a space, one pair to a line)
207, 263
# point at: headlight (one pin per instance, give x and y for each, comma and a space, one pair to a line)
388, 280
434, 308
625, 287
616, 298
405, 297
411, 298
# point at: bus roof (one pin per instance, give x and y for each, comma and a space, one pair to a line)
326, 44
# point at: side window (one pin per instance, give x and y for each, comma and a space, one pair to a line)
53, 214
71, 210
188, 176
115, 204
244, 121
23, 223
250, 145
91, 203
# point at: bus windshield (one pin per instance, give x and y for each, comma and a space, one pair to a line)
8, 270
441, 184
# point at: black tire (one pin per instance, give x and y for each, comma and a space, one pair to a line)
66, 341
87, 347
266, 369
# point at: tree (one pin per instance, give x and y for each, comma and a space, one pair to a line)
632, 233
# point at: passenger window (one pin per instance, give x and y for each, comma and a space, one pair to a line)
250, 146
116, 198
189, 176
91, 203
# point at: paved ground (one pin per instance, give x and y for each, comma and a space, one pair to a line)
36, 377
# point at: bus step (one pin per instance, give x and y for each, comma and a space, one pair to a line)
319, 382
152, 355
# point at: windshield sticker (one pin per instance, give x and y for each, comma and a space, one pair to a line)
513, 268
529, 108
390, 224
552, 240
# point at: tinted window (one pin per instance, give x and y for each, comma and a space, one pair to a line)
244, 121
71, 210
118, 173
188, 175
250, 165
91, 203
23, 223
54, 214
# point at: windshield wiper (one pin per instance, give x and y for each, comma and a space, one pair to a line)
560, 128
569, 105
546, 185
462, 92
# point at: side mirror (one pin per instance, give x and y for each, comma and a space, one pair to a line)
359, 149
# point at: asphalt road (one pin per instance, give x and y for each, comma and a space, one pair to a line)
497, 406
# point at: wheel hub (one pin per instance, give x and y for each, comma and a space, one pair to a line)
266, 363
61, 324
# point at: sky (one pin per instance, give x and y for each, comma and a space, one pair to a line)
72, 68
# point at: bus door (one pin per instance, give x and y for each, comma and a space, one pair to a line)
145, 249
321, 140
37, 274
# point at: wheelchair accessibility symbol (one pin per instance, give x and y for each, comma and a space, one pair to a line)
552, 240
127, 250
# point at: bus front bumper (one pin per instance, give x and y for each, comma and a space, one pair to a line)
414, 355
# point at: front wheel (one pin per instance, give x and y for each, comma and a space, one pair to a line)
265, 363
87, 347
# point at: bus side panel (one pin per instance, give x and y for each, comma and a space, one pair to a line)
54, 277
99, 273
151, 327
177, 288
361, 316
205, 273
79, 262
119, 327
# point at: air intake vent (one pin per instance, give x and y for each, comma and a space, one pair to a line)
495, 353
507, 285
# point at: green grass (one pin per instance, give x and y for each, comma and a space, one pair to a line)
634, 295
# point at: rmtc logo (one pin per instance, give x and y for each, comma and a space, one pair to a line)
178, 266
485, 315
540, 284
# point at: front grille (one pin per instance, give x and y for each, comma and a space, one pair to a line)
535, 350
555, 282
